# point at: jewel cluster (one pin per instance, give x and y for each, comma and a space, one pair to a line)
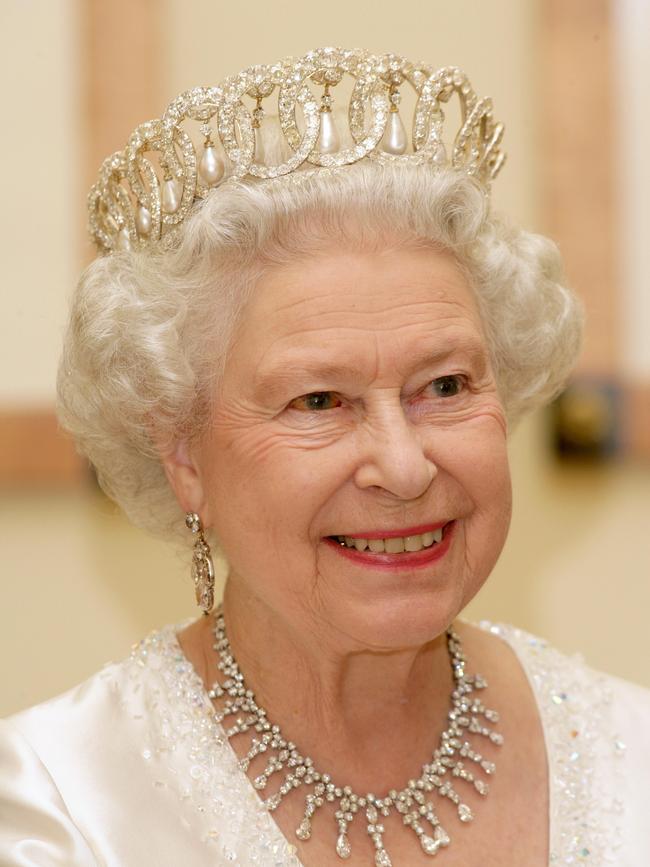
451, 760
147, 189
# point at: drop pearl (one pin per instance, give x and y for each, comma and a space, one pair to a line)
123, 240
143, 221
328, 136
394, 139
440, 157
171, 196
211, 165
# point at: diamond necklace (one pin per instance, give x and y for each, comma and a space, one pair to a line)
413, 802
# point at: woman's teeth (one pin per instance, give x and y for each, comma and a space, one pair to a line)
395, 545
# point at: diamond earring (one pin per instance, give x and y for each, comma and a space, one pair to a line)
202, 565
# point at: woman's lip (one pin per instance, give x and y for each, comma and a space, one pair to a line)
392, 562
393, 534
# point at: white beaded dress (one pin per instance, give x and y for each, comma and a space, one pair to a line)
130, 768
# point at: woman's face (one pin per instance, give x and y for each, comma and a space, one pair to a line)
359, 401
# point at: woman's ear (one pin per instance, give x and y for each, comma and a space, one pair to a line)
185, 479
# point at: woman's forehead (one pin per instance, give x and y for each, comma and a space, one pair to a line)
410, 283
353, 311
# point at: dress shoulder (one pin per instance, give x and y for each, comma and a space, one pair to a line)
36, 828
129, 768
597, 733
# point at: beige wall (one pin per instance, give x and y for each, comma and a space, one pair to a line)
78, 583
43, 199
632, 19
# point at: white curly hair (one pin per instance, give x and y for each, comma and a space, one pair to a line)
149, 332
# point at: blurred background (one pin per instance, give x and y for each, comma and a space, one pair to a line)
571, 79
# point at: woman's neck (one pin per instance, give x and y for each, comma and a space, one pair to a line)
370, 718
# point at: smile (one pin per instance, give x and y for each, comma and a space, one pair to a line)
389, 551
393, 544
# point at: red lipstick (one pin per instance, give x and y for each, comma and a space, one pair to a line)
394, 562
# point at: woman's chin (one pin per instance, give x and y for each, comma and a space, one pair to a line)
409, 617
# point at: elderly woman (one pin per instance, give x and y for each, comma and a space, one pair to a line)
308, 348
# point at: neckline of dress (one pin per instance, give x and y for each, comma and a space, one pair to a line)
570, 705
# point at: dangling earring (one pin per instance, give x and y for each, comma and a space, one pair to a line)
202, 565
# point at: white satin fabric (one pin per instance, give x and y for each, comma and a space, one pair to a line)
131, 769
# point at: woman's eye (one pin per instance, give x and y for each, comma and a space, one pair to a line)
447, 386
316, 401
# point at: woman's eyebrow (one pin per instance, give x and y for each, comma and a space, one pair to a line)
278, 376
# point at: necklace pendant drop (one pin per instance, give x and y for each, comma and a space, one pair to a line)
432, 845
429, 845
343, 848
303, 831
382, 859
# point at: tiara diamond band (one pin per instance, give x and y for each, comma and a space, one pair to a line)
147, 189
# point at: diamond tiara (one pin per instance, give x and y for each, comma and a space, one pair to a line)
148, 189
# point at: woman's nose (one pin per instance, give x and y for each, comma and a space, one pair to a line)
394, 458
